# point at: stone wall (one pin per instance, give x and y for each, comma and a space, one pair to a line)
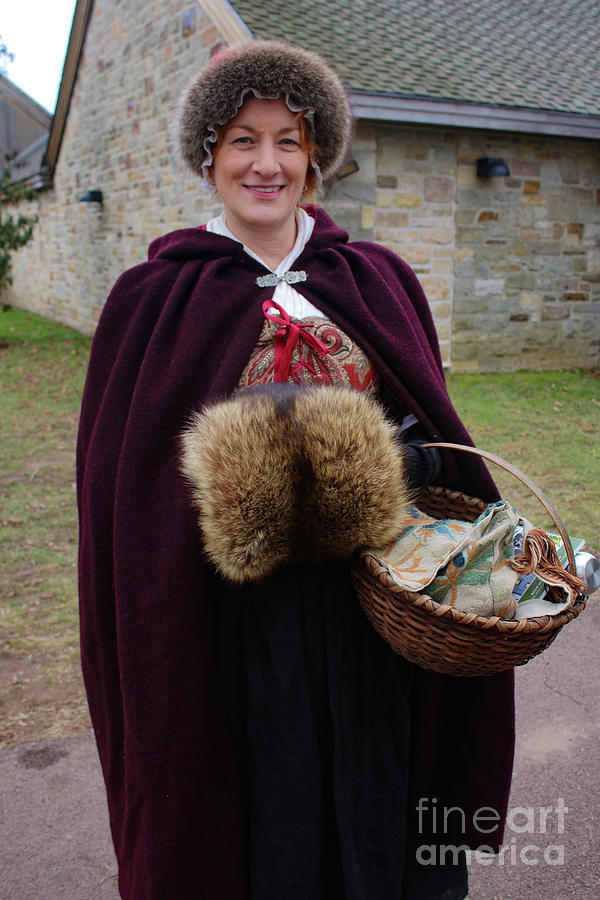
527, 259
137, 56
403, 197
416, 175
511, 266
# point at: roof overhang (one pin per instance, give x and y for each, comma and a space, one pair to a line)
423, 111
81, 17
224, 16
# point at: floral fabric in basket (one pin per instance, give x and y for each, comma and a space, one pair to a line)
462, 564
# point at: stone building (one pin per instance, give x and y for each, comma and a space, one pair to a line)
510, 263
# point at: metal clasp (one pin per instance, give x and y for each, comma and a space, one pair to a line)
272, 280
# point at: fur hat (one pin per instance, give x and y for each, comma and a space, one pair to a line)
284, 474
268, 69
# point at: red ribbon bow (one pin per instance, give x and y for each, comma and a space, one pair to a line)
286, 341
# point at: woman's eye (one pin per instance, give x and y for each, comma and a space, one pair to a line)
242, 140
291, 142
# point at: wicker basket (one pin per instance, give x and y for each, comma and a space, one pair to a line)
440, 637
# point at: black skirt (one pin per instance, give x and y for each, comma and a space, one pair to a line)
318, 708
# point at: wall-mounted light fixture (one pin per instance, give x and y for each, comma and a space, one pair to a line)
489, 166
91, 197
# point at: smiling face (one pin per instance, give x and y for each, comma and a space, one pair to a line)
260, 169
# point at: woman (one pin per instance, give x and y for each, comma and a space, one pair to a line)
261, 740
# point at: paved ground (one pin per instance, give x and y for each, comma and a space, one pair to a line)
54, 841
558, 756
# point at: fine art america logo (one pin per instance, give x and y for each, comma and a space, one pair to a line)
523, 821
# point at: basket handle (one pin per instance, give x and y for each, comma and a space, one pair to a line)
526, 480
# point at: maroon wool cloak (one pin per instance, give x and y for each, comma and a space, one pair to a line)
176, 332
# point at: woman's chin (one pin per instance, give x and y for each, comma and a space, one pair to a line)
260, 215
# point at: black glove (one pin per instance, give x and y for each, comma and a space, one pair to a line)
423, 464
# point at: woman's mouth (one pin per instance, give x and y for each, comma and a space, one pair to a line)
267, 190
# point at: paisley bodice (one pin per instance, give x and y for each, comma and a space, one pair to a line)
311, 351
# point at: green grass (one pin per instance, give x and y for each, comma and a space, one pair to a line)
42, 367
547, 424
18, 328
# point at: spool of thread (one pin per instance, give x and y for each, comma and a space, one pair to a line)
587, 568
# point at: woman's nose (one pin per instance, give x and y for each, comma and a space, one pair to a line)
266, 161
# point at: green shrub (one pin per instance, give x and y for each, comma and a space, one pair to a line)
15, 231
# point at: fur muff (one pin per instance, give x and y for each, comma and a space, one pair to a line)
270, 69
282, 475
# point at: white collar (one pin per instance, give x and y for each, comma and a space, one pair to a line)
304, 229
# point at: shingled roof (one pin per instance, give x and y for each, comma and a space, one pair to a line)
528, 54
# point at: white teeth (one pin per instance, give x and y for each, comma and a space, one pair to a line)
266, 190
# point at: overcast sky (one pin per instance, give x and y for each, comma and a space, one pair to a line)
37, 33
